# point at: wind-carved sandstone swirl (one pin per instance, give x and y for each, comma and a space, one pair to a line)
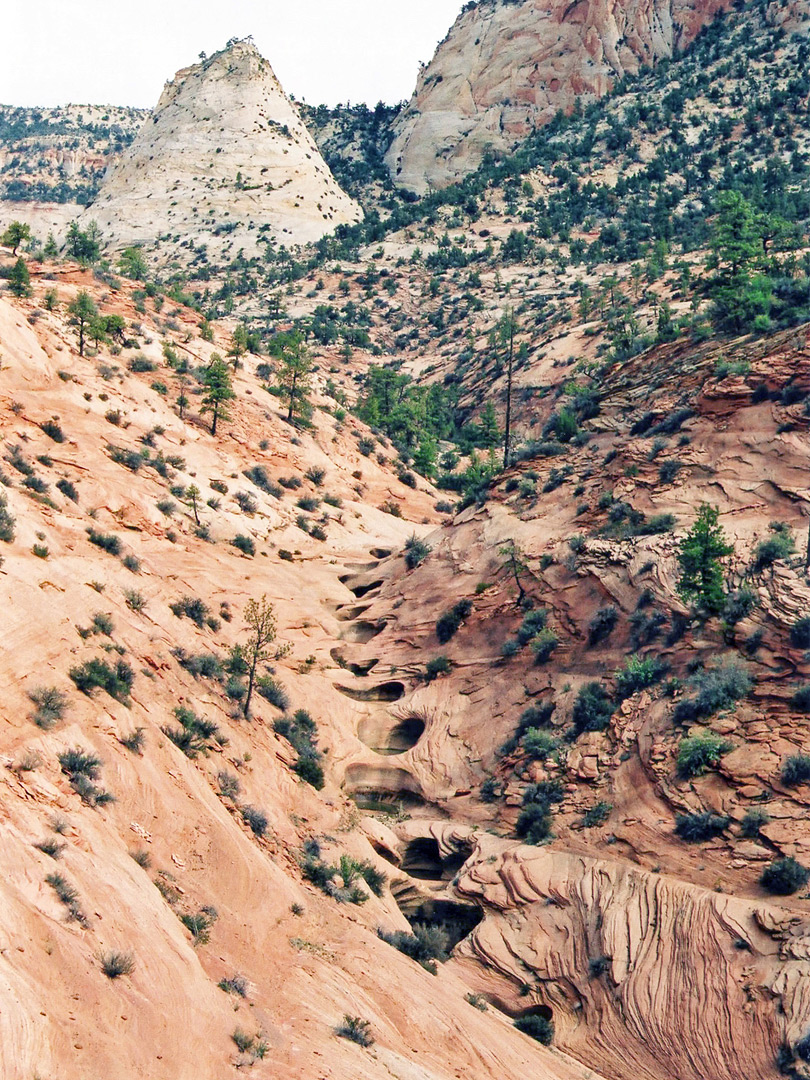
647, 977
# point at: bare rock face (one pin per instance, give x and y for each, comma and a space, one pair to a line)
506, 68
224, 158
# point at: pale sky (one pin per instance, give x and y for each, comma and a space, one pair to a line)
120, 52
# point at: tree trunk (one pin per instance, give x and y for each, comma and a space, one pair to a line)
508, 424
214, 418
251, 680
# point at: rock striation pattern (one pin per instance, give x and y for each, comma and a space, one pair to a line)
224, 159
506, 68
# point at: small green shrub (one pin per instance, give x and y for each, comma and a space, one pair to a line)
532, 624
116, 681
199, 924
50, 847
543, 645
800, 633
698, 753
440, 665
448, 623
424, 944
272, 690
245, 544
717, 688
68, 490
106, 541
602, 625
592, 709
116, 964
536, 1027
50, 705
597, 815
237, 985
416, 551
783, 877
638, 674
255, 819
194, 734
310, 769
796, 770
355, 1029
695, 828
801, 698
537, 744
191, 607
134, 600
752, 823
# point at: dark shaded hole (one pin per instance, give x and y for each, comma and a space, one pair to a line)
388, 692
360, 670
359, 633
384, 800
384, 852
422, 859
361, 590
382, 788
545, 1011
347, 612
380, 553
457, 920
393, 740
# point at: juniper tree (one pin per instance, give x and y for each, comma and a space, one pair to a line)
14, 235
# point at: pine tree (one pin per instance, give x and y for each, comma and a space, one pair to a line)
261, 620
292, 376
218, 391
490, 432
239, 345
700, 553
82, 311
132, 264
19, 281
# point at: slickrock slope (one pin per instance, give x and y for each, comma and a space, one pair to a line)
506, 68
223, 160
95, 444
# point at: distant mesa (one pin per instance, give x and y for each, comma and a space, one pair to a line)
224, 160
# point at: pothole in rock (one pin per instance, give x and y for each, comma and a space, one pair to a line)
383, 737
358, 633
360, 670
348, 612
456, 921
422, 859
388, 692
381, 788
545, 1012
380, 553
363, 590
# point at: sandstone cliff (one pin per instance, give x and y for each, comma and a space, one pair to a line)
224, 160
506, 68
